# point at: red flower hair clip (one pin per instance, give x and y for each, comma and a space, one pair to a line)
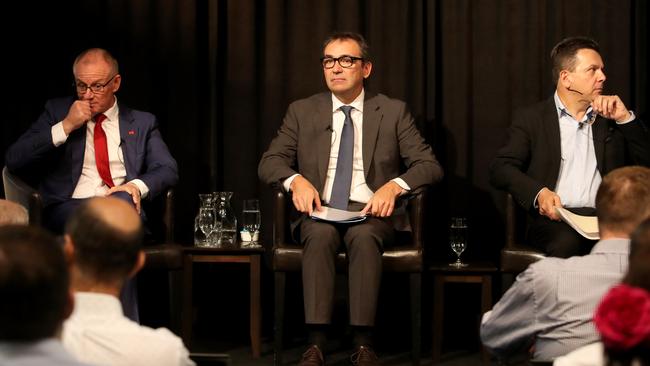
623, 317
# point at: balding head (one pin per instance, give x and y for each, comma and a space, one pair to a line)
106, 234
12, 213
623, 201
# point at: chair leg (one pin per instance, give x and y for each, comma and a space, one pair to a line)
175, 300
416, 317
280, 281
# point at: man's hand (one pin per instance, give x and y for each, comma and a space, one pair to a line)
131, 189
610, 106
547, 201
305, 197
382, 203
78, 114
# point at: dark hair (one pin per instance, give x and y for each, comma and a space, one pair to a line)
34, 284
339, 36
102, 251
102, 52
623, 199
563, 55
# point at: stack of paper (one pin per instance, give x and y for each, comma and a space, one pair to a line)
335, 215
586, 226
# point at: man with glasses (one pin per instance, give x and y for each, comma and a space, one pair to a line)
353, 150
91, 145
558, 150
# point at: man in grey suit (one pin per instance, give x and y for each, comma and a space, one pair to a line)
344, 149
558, 150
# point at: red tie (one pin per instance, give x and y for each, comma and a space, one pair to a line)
101, 151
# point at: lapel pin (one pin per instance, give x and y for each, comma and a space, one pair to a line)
131, 132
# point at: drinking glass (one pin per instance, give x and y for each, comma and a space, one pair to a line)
206, 221
458, 239
251, 220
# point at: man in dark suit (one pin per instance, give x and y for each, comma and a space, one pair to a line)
345, 149
558, 150
91, 146
75, 156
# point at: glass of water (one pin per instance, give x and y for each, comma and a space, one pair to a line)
251, 220
458, 239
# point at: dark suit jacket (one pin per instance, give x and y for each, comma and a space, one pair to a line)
392, 145
58, 169
531, 158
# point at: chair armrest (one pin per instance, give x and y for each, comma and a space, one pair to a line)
168, 215
279, 218
416, 207
18, 191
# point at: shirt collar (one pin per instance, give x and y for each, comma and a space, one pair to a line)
357, 103
614, 245
113, 112
563, 112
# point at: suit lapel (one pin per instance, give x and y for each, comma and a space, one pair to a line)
600, 131
553, 140
128, 140
371, 119
323, 129
76, 152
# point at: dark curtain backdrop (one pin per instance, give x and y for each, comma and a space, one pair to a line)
220, 74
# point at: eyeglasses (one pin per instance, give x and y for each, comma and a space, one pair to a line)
96, 88
345, 61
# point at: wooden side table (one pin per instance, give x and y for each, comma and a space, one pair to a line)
229, 254
476, 272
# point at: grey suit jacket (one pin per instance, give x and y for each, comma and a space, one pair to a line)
392, 145
530, 159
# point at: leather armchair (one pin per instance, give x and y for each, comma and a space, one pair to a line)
516, 256
406, 256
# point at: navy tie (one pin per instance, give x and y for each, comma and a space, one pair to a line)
343, 176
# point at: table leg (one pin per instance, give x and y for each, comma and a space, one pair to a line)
486, 304
438, 303
186, 317
255, 307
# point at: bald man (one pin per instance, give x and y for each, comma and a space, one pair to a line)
12, 213
104, 239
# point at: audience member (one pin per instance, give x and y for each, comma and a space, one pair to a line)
12, 213
103, 238
550, 305
559, 149
623, 316
35, 298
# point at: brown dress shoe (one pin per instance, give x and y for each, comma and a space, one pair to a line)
312, 357
364, 356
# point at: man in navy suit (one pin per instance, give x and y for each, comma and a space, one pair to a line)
61, 148
91, 146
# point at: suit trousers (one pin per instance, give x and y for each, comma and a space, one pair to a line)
363, 243
557, 238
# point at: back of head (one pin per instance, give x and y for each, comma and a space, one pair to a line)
623, 199
563, 55
34, 284
12, 213
106, 234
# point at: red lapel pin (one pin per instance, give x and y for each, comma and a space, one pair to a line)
131, 132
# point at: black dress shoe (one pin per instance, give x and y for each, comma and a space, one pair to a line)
364, 356
312, 357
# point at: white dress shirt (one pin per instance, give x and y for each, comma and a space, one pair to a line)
90, 184
47, 351
100, 334
551, 304
359, 190
589, 355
